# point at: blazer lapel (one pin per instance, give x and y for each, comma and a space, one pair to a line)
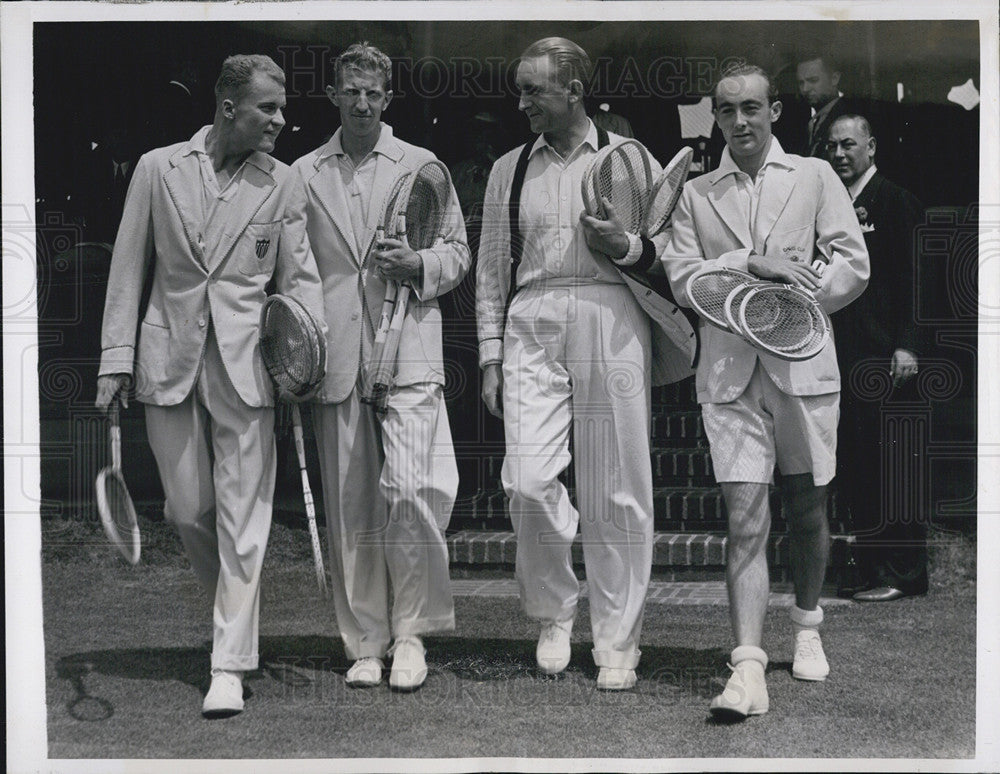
725, 199
183, 182
328, 186
776, 190
233, 216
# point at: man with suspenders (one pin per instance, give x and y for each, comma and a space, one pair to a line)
565, 345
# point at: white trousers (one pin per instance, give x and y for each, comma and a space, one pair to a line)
216, 460
579, 357
389, 484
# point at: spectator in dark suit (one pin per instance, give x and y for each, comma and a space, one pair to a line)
878, 332
818, 79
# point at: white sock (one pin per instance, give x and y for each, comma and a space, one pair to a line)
803, 620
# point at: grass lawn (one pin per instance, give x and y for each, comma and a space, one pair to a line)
127, 666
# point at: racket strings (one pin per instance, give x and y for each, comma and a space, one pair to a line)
708, 293
427, 204
623, 178
666, 192
783, 320
291, 348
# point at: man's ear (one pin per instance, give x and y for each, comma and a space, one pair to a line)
871, 146
331, 94
835, 79
228, 108
775, 110
575, 87
388, 99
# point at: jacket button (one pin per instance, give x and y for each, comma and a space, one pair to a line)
354, 316
201, 323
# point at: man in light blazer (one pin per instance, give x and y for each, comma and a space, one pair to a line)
389, 480
769, 213
205, 218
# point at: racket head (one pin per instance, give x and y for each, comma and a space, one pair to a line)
621, 174
708, 289
666, 191
784, 321
731, 307
292, 347
395, 200
117, 512
428, 194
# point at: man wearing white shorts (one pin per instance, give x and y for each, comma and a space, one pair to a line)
769, 213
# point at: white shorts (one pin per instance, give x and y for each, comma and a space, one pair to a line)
764, 426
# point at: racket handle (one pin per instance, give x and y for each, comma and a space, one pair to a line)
388, 306
820, 265
116, 436
387, 366
307, 497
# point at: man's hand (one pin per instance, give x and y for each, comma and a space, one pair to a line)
395, 261
903, 367
782, 270
109, 386
493, 389
605, 236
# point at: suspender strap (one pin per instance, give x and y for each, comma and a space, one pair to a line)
514, 215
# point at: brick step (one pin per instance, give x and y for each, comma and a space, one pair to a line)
671, 550
690, 465
675, 509
679, 394
679, 428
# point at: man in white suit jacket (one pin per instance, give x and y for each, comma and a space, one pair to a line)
206, 218
389, 481
769, 213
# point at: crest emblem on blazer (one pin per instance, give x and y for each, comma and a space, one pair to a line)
261, 248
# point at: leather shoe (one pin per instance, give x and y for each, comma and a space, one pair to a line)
612, 679
409, 669
552, 653
365, 673
745, 693
880, 594
225, 696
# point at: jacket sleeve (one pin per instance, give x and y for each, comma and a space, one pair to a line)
494, 253
840, 242
445, 264
910, 214
683, 254
296, 273
130, 264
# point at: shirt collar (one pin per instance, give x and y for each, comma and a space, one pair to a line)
590, 138
775, 156
858, 185
197, 145
386, 145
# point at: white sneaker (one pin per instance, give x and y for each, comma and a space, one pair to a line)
810, 661
612, 679
365, 673
552, 653
225, 695
745, 692
409, 670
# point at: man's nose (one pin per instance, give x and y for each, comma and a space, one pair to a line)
522, 102
279, 119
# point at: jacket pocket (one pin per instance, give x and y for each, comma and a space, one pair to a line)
258, 248
795, 245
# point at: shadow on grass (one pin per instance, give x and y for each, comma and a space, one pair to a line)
300, 661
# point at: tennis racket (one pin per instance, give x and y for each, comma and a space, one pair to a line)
666, 191
621, 174
294, 353
419, 212
387, 225
784, 321
114, 503
708, 290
